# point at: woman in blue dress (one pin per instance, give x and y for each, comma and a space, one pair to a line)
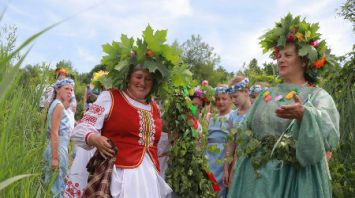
59, 127
239, 92
218, 130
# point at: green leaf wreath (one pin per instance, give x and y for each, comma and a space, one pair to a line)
150, 52
307, 39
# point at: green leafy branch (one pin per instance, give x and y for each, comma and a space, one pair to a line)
259, 151
187, 165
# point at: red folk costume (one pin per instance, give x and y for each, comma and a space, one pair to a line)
135, 131
134, 127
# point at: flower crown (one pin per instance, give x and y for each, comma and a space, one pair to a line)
205, 92
198, 93
221, 90
151, 53
239, 86
256, 90
307, 40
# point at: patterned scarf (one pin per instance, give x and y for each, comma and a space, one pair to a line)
100, 174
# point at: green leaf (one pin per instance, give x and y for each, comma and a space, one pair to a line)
281, 41
106, 48
307, 35
154, 41
106, 82
313, 54
172, 54
303, 51
113, 54
194, 133
121, 65
141, 50
11, 180
126, 45
309, 51
181, 76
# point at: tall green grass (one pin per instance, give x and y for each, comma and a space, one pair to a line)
22, 141
22, 127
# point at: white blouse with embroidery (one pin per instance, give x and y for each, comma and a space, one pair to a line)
142, 181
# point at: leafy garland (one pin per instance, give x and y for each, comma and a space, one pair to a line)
292, 30
187, 165
208, 92
150, 53
259, 151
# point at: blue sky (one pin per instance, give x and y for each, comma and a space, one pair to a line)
231, 27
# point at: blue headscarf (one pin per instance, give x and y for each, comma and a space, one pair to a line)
65, 81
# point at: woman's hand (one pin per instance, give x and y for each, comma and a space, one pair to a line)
225, 178
54, 164
102, 144
292, 111
328, 155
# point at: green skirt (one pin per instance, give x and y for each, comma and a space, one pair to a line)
280, 180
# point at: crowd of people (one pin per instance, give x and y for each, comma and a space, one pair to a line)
119, 151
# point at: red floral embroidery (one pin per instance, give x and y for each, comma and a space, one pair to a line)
72, 189
88, 119
96, 109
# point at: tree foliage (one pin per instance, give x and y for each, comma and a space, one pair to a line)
258, 74
203, 62
347, 10
341, 85
35, 74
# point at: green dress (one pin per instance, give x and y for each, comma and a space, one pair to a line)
316, 133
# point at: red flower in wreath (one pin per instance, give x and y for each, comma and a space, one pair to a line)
276, 52
149, 53
291, 35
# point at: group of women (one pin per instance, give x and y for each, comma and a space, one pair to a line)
125, 118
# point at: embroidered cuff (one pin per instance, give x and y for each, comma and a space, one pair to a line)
87, 137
